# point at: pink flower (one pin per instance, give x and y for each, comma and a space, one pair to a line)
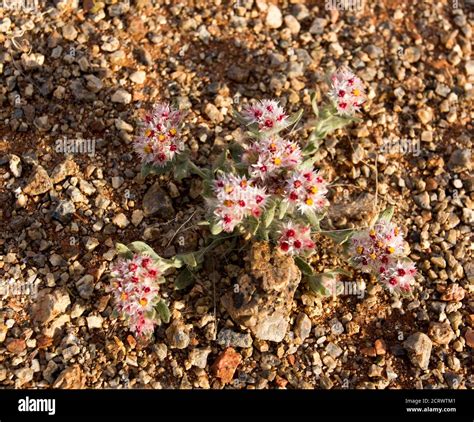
160, 139
271, 156
236, 199
306, 190
295, 239
136, 291
347, 92
268, 114
375, 247
398, 275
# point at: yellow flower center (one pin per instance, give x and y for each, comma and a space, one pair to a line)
148, 132
309, 201
161, 137
360, 249
148, 149
356, 92
228, 203
173, 131
143, 301
313, 189
277, 161
124, 296
372, 232
391, 249
373, 255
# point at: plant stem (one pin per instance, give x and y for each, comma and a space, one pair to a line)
196, 170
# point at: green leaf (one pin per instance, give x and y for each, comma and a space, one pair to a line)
325, 284
386, 215
283, 208
313, 219
307, 164
303, 266
215, 228
339, 236
315, 285
313, 144
184, 279
163, 311
188, 259
236, 150
269, 214
123, 251
220, 161
144, 249
294, 118
314, 104
253, 224
181, 170
240, 118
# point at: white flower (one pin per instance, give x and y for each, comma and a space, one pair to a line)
347, 92
295, 238
268, 114
160, 139
271, 156
306, 190
136, 291
236, 198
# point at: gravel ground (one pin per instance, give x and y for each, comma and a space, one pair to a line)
88, 72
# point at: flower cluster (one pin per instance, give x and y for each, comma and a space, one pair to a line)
270, 156
237, 198
267, 114
160, 139
306, 190
380, 251
272, 167
136, 291
347, 92
295, 239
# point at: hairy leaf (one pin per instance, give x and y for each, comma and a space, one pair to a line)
184, 279
303, 266
163, 311
339, 236
123, 251
386, 215
269, 214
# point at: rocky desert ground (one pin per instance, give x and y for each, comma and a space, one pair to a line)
77, 78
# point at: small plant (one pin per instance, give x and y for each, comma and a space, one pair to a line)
136, 276
266, 189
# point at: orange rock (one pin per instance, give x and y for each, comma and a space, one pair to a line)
469, 336
280, 382
453, 293
380, 347
16, 346
369, 351
225, 365
43, 342
131, 341
470, 320
291, 359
